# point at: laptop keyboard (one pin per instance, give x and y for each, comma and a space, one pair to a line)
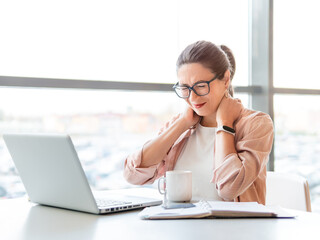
110, 203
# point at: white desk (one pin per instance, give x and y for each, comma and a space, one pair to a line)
20, 219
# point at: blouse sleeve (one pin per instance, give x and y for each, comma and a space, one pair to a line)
239, 170
139, 176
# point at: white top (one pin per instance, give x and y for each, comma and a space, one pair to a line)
198, 157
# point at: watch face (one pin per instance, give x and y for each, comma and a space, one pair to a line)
229, 129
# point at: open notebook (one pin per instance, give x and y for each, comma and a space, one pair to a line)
216, 209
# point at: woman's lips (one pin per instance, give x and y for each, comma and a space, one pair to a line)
197, 106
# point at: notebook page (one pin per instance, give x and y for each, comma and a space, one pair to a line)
252, 208
158, 212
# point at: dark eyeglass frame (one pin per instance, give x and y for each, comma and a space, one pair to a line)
192, 88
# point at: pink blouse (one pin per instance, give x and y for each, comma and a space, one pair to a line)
242, 175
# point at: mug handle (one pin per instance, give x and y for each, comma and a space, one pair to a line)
159, 188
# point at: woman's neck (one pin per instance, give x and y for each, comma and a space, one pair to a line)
209, 121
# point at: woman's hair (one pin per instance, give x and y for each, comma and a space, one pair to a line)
218, 59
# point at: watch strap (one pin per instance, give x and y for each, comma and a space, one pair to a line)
226, 129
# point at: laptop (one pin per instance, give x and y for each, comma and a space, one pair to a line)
52, 174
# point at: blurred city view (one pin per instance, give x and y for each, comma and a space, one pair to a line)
102, 138
299, 154
102, 142
297, 140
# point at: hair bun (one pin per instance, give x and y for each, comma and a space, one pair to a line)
231, 58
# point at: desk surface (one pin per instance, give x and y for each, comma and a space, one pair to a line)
20, 219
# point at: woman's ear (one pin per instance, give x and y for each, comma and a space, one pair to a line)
227, 79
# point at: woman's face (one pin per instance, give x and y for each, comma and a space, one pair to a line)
206, 106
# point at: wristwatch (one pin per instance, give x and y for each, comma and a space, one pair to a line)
226, 129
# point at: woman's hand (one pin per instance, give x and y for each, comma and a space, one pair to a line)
189, 117
228, 111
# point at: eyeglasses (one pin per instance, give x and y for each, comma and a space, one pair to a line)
201, 88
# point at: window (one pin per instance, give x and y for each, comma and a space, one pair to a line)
297, 139
105, 127
120, 41
296, 117
131, 41
296, 44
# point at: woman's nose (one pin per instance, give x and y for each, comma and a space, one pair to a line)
193, 95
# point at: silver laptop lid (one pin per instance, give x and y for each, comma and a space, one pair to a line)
51, 171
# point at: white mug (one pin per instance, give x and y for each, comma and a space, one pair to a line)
177, 186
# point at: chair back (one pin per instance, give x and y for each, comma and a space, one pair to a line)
288, 191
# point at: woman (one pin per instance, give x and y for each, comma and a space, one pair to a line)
224, 145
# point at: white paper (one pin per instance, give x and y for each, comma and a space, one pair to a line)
159, 211
253, 207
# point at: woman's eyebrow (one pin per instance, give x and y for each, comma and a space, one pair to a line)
186, 85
